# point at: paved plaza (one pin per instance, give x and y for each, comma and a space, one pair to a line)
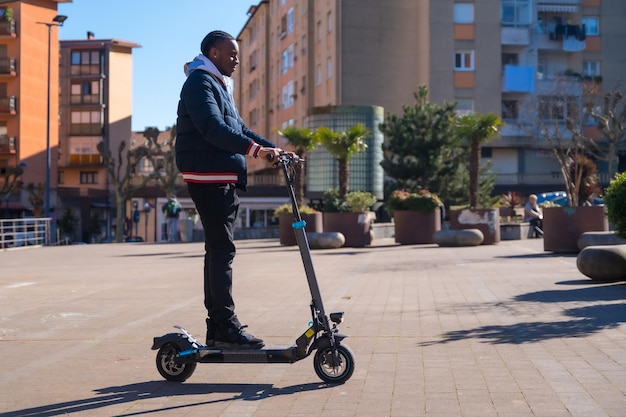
504, 330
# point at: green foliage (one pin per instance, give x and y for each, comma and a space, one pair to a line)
419, 201
67, 224
301, 138
343, 145
287, 209
354, 201
615, 200
477, 129
422, 149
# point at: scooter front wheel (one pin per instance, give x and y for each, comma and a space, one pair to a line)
331, 369
168, 368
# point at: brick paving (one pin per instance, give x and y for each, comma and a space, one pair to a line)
504, 330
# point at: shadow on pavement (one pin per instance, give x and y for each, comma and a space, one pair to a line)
578, 322
127, 394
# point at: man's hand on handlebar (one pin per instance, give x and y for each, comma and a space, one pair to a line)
272, 154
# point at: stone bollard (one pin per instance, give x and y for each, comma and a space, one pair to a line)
325, 240
603, 263
459, 237
598, 239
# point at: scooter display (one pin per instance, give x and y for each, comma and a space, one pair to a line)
179, 353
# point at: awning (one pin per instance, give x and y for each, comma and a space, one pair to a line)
563, 8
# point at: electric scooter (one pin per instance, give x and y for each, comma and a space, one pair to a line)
179, 353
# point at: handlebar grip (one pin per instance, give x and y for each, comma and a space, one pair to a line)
269, 157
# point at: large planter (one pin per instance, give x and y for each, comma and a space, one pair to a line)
416, 227
286, 235
562, 226
485, 220
355, 227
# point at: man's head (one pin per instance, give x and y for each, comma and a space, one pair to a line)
222, 49
532, 198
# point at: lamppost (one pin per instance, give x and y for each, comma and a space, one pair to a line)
56, 21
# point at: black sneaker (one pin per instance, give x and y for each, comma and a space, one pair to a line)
233, 336
210, 332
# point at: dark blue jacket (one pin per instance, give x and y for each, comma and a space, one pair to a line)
212, 140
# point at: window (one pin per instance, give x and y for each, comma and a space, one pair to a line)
464, 61
318, 75
288, 95
329, 68
516, 12
510, 110
290, 20
88, 177
86, 123
592, 25
287, 59
85, 62
464, 106
463, 13
85, 92
558, 108
319, 31
329, 22
591, 68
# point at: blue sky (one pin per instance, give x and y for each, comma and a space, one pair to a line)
169, 34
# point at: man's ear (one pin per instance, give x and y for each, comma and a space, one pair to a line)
213, 53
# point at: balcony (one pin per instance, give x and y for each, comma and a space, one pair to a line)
7, 145
8, 66
8, 105
8, 29
515, 36
85, 159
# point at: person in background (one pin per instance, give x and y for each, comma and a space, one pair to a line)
534, 215
212, 144
172, 210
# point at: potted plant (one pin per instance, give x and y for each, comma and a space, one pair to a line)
416, 216
558, 122
350, 215
477, 129
347, 212
311, 217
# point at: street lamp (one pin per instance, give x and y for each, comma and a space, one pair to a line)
56, 21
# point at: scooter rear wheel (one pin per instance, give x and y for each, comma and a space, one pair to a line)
339, 373
168, 368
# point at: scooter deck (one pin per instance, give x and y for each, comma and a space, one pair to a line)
208, 354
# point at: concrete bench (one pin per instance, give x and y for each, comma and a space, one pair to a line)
325, 240
515, 231
458, 237
603, 262
599, 239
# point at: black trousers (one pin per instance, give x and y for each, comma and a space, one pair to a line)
217, 206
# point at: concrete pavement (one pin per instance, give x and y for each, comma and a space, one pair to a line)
500, 330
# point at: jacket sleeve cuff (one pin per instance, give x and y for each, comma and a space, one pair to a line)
253, 150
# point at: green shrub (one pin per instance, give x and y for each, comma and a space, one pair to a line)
287, 209
354, 201
423, 200
615, 200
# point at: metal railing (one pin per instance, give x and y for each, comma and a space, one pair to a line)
15, 233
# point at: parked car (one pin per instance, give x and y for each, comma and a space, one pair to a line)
560, 198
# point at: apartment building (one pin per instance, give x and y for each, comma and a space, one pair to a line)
299, 57
26, 44
95, 106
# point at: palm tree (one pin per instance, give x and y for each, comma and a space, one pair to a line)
343, 145
303, 140
477, 129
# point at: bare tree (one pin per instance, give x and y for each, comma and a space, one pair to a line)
10, 178
162, 156
120, 169
556, 117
